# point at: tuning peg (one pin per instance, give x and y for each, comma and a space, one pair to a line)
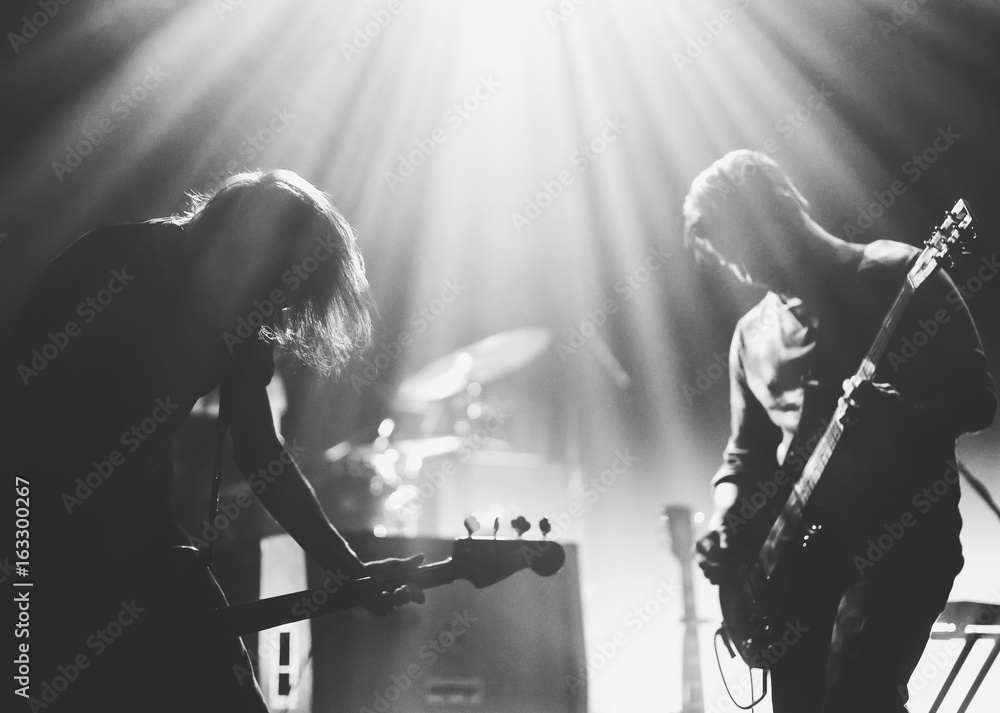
471, 524
545, 526
496, 526
521, 525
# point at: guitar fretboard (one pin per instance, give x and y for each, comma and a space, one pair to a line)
793, 510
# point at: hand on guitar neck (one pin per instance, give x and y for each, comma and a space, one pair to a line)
393, 568
388, 601
881, 421
482, 561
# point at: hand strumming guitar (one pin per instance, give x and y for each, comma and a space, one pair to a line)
721, 545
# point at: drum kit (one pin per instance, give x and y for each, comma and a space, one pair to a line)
436, 412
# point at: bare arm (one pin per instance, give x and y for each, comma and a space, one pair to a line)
749, 454
287, 495
284, 491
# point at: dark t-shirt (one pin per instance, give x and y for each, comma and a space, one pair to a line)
935, 360
115, 344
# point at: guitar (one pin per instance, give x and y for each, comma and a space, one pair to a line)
682, 545
752, 595
483, 561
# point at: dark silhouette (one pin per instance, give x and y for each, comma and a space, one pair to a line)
876, 579
120, 336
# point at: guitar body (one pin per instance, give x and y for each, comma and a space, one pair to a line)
746, 620
758, 610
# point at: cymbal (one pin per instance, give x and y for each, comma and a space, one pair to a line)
478, 363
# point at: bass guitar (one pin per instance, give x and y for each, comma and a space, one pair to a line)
483, 561
754, 595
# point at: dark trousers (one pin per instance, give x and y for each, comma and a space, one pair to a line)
864, 635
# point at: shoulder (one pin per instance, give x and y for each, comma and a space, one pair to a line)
125, 236
126, 241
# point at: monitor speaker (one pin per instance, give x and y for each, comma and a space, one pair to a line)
513, 647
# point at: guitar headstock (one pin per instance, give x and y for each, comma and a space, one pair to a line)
487, 560
953, 236
679, 529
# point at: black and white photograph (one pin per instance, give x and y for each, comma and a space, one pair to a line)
500, 356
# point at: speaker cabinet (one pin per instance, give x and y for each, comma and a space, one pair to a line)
507, 648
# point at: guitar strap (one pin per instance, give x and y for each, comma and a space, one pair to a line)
221, 425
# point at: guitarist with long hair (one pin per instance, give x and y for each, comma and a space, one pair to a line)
878, 568
121, 334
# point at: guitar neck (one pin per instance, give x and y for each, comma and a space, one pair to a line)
481, 561
792, 513
256, 616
